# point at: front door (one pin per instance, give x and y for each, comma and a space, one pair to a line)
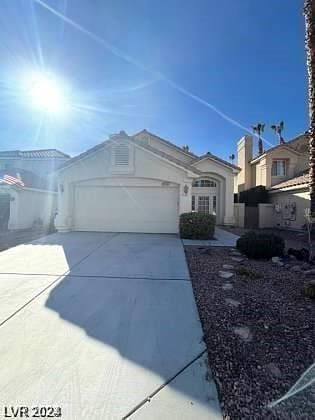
204, 204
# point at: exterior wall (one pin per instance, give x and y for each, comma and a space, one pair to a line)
239, 214
244, 156
29, 205
41, 167
163, 147
262, 168
290, 207
265, 215
145, 167
225, 179
97, 167
259, 172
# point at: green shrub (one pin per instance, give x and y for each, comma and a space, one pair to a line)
196, 226
260, 245
247, 272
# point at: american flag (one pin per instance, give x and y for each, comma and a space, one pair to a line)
10, 179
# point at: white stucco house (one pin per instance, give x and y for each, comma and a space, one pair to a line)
28, 193
141, 183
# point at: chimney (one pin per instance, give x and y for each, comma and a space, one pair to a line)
244, 156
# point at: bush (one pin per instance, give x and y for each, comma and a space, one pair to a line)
247, 272
260, 245
196, 226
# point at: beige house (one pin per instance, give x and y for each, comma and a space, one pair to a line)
141, 183
283, 171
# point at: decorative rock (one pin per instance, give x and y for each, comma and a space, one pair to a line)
232, 302
225, 274
227, 286
274, 370
244, 333
306, 266
309, 289
237, 259
310, 272
275, 260
296, 268
236, 254
228, 266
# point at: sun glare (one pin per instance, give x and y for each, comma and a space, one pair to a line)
46, 94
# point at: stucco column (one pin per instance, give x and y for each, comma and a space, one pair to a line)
13, 223
63, 220
185, 196
229, 202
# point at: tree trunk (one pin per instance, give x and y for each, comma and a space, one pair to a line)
309, 14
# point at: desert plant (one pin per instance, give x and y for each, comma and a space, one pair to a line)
259, 129
242, 270
309, 14
278, 128
196, 226
260, 245
309, 289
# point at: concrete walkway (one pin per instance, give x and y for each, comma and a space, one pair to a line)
104, 326
222, 238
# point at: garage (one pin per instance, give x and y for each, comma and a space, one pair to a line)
126, 209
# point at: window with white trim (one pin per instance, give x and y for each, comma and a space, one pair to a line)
203, 204
204, 183
121, 155
279, 167
214, 205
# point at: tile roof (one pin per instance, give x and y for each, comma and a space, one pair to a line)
282, 145
214, 157
34, 154
301, 179
167, 142
32, 180
133, 140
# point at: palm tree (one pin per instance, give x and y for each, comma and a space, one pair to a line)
259, 129
309, 14
278, 128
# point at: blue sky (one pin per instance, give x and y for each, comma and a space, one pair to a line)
244, 57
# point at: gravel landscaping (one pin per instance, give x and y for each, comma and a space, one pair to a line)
259, 330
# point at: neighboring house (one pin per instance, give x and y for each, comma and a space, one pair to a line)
283, 171
141, 183
27, 190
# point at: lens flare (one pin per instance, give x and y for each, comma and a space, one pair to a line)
46, 94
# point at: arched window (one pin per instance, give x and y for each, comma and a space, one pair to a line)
204, 183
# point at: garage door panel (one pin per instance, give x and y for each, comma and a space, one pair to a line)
126, 209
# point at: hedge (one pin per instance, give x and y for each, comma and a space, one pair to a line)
260, 245
196, 226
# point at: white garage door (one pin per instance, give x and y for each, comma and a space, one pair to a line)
126, 209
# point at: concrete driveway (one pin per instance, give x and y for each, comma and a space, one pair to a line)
104, 326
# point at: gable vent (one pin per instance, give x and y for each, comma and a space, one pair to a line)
121, 155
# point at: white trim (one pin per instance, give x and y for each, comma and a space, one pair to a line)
284, 189
234, 170
108, 143
17, 189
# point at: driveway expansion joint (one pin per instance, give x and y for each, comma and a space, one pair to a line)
160, 388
